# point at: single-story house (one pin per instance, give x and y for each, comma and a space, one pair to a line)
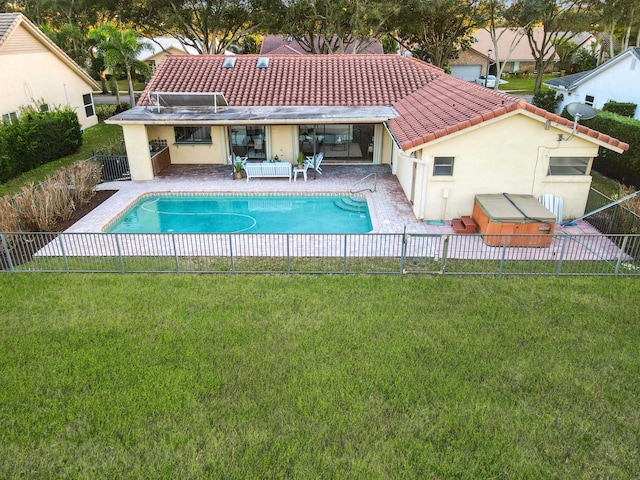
160, 47
472, 63
36, 72
445, 139
289, 45
615, 80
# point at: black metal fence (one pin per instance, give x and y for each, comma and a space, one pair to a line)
614, 220
616, 255
114, 167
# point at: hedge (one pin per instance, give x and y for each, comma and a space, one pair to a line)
37, 138
621, 108
623, 167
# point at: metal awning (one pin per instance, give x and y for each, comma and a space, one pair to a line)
200, 115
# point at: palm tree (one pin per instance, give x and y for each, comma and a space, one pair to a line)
120, 49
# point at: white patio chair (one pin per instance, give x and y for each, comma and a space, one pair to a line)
315, 164
236, 158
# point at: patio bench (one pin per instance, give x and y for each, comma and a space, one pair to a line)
268, 170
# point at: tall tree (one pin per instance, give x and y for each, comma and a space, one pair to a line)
332, 26
120, 49
435, 30
559, 20
209, 26
494, 16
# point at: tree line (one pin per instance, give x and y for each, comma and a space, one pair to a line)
100, 32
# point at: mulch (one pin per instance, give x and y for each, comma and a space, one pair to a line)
22, 253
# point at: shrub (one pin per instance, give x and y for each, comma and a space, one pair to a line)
624, 167
621, 108
105, 111
547, 99
40, 207
36, 138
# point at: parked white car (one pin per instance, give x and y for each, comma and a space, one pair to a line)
489, 82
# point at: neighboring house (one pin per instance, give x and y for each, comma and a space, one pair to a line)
160, 47
288, 45
445, 139
35, 71
616, 80
473, 62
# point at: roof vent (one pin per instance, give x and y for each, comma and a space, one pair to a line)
263, 62
229, 62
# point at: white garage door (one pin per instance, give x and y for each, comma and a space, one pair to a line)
466, 72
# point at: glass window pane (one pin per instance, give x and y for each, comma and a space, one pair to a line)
568, 165
443, 166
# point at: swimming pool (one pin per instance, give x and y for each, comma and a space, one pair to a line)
180, 213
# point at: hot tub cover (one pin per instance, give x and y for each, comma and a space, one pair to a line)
499, 209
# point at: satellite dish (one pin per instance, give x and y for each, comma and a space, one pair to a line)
581, 110
578, 111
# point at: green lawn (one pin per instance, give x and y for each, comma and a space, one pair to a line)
167, 376
522, 85
92, 138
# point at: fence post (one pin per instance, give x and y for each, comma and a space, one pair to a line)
622, 250
561, 259
288, 255
233, 269
119, 253
344, 266
64, 255
404, 250
445, 252
5, 246
175, 252
504, 252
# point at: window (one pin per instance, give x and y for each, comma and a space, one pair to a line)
589, 99
568, 165
10, 117
193, 134
249, 141
44, 108
443, 166
88, 105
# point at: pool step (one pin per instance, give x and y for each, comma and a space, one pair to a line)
348, 204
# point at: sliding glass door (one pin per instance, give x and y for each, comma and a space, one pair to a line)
338, 142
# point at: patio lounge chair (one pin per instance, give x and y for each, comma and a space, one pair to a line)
315, 163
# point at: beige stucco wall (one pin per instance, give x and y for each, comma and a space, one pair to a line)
184, 154
137, 143
510, 154
283, 142
31, 72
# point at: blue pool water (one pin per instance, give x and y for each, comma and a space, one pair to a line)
244, 214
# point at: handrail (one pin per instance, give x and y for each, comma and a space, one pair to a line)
375, 184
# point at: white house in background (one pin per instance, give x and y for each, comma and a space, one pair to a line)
160, 47
35, 71
617, 80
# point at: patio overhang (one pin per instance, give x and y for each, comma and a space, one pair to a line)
283, 115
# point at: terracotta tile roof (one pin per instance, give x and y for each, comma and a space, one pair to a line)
331, 80
430, 103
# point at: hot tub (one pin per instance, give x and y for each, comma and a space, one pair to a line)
502, 214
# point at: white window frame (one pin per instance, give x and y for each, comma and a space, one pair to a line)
568, 166
589, 102
445, 167
10, 117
